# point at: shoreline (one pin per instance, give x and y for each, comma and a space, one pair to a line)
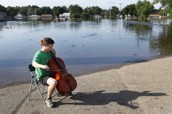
110, 67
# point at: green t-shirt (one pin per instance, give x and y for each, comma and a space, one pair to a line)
42, 58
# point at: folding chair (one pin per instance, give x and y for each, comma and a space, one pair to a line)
38, 84
34, 81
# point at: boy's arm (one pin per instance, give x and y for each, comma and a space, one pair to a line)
37, 65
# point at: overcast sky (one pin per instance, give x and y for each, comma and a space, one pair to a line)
104, 4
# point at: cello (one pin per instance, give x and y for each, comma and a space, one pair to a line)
66, 82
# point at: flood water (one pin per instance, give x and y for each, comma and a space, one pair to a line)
85, 46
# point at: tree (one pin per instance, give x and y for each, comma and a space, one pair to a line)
113, 12
88, 10
167, 4
23, 10
64, 9
46, 10
2, 9
56, 11
96, 10
76, 16
75, 11
144, 9
12, 11
85, 15
36, 10
164, 2
105, 13
129, 10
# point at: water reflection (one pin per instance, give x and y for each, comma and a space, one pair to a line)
164, 42
2, 24
75, 25
139, 29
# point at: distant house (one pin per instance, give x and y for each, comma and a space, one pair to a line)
34, 17
46, 17
154, 16
3, 16
97, 17
19, 17
64, 16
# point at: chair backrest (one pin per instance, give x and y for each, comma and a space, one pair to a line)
31, 68
32, 72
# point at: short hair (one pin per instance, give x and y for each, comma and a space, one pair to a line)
47, 41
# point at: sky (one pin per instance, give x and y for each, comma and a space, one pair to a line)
104, 4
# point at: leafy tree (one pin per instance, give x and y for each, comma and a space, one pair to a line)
75, 11
23, 10
113, 12
88, 11
64, 9
167, 4
2, 9
12, 11
95, 10
76, 16
85, 15
38, 11
144, 9
46, 10
56, 11
29, 10
129, 10
164, 2
170, 13
132, 10
105, 13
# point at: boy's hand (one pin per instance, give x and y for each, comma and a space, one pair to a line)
45, 67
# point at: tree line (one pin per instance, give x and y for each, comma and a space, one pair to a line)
166, 7
141, 9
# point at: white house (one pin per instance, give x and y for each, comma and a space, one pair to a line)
97, 16
19, 17
34, 17
64, 16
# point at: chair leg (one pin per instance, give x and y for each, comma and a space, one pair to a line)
30, 89
58, 95
72, 97
40, 92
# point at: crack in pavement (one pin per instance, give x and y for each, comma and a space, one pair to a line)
19, 105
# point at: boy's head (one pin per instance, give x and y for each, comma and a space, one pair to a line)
47, 43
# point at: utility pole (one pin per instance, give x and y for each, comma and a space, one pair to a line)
120, 6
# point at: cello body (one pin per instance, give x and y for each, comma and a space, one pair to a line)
66, 82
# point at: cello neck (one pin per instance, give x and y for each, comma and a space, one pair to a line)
57, 62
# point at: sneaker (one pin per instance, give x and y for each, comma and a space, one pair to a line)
49, 103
